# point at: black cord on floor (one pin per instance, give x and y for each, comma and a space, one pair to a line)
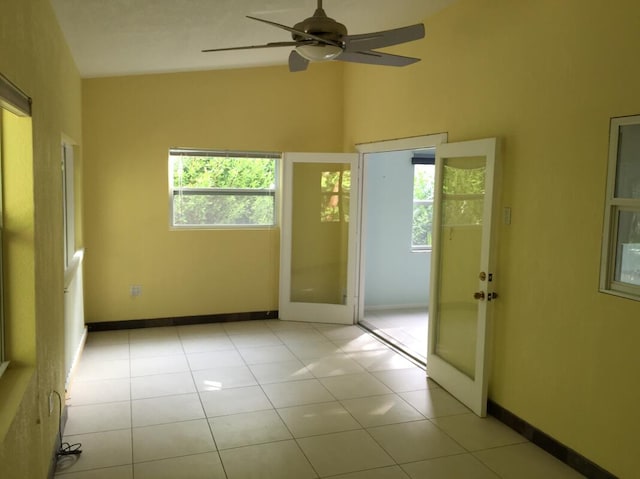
65, 449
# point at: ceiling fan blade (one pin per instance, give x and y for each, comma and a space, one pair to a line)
252, 47
371, 41
308, 36
376, 58
297, 63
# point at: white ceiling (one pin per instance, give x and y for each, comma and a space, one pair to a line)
127, 37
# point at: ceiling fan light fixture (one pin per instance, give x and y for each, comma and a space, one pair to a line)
319, 53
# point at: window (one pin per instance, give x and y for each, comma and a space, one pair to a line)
3, 362
68, 203
15, 105
222, 189
423, 185
620, 272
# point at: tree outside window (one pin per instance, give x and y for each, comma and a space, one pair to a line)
210, 189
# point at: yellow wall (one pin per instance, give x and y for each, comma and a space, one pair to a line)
545, 76
34, 55
130, 123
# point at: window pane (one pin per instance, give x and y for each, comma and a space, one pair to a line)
628, 165
218, 190
422, 225
202, 210
628, 248
423, 184
423, 180
223, 172
319, 232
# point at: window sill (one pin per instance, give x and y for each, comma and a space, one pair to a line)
222, 227
74, 264
621, 294
13, 385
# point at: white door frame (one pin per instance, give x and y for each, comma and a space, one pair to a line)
385, 146
318, 312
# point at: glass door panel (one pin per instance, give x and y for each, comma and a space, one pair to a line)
317, 269
320, 232
462, 278
461, 212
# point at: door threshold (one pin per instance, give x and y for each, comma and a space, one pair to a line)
394, 344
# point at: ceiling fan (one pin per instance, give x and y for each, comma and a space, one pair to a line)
320, 38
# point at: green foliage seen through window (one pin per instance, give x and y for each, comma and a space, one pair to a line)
222, 190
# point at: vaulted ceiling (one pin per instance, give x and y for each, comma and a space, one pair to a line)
127, 37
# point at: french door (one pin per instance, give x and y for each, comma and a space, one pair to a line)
317, 246
462, 270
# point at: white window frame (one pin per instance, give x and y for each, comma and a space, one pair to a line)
176, 191
4, 363
17, 102
68, 203
613, 207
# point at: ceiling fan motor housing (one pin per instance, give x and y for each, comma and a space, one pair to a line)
322, 26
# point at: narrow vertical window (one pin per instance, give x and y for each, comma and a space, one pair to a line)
13, 103
68, 203
620, 273
3, 362
423, 184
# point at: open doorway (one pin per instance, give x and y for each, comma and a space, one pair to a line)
395, 249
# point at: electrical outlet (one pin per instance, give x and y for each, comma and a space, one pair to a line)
135, 290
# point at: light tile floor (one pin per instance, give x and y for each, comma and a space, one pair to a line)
281, 400
406, 328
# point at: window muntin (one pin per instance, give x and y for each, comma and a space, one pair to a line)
211, 189
423, 185
620, 271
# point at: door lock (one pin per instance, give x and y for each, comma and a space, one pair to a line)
481, 296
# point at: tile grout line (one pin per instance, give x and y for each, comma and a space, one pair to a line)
133, 469
296, 439
280, 417
286, 343
204, 412
362, 428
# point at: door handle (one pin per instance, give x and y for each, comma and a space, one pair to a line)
481, 296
